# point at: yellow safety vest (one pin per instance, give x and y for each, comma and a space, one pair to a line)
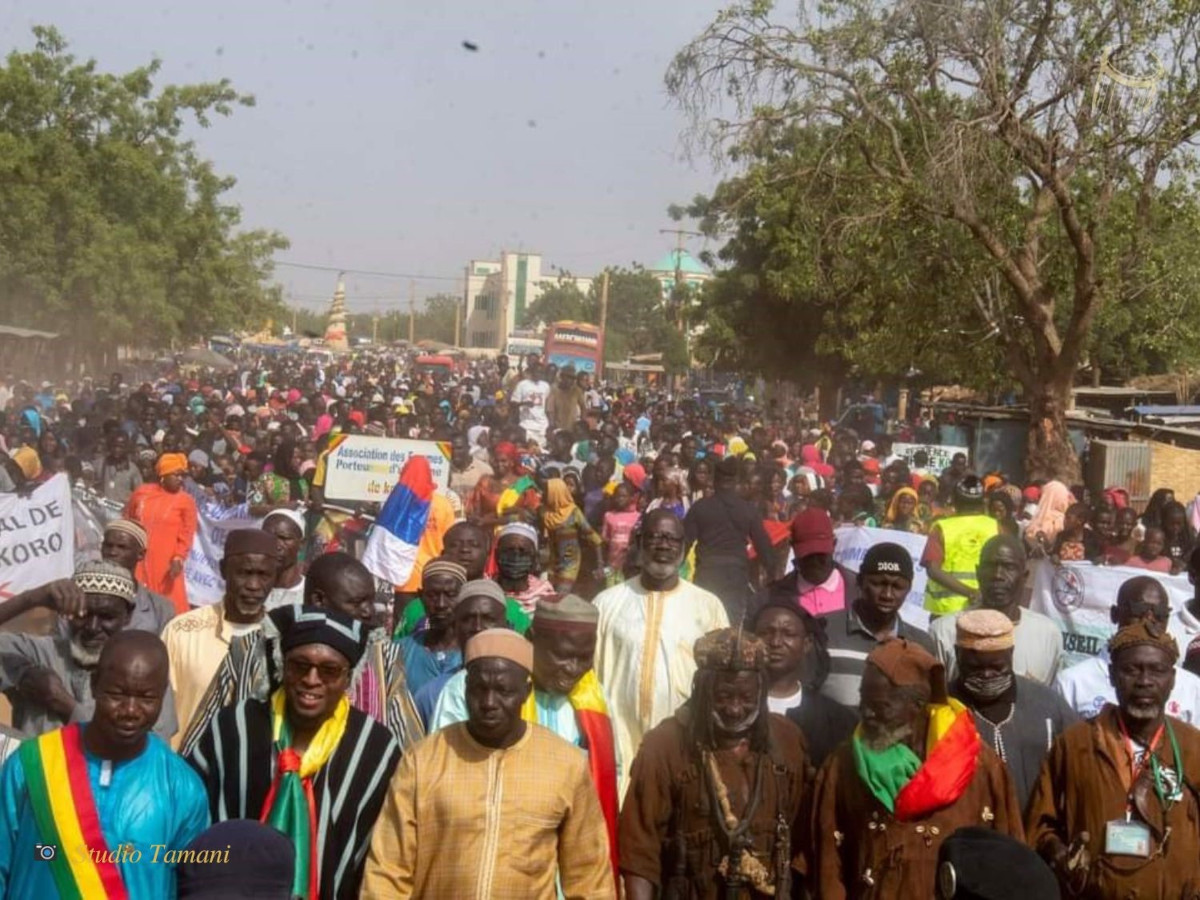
963, 538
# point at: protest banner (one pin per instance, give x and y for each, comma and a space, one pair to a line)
37, 537
852, 544
202, 568
939, 454
1078, 597
364, 469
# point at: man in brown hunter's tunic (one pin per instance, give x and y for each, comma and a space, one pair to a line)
914, 772
1116, 809
716, 792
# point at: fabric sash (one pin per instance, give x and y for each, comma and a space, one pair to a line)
951, 755
291, 805
60, 797
591, 714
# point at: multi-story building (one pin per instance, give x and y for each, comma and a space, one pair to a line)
499, 292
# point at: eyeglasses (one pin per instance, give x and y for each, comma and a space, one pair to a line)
298, 669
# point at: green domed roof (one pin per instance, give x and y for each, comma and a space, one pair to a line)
687, 264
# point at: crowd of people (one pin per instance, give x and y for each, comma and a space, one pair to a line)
625, 661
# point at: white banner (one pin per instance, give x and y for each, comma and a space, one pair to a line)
364, 469
202, 569
852, 544
37, 537
939, 454
1079, 598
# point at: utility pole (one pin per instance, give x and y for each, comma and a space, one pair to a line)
459, 307
412, 310
678, 294
603, 322
375, 327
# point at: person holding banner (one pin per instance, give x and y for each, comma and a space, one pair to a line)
170, 518
98, 809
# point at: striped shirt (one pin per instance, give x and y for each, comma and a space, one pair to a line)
850, 642
236, 759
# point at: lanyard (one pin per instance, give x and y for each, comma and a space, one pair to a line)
1155, 768
1135, 768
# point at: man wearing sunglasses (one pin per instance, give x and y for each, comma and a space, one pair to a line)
306, 762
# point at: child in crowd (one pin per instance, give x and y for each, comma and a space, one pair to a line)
1113, 551
1150, 552
1075, 542
619, 522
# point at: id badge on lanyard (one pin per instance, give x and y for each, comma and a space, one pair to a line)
1124, 837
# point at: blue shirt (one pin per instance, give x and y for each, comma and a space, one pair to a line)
153, 799
422, 666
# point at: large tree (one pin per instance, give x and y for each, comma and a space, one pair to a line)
113, 229
1007, 131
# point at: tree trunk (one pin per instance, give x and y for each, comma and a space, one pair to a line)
1049, 453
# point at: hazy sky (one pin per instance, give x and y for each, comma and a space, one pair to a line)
380, 143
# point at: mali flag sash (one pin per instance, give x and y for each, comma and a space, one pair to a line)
60, 797
591, 714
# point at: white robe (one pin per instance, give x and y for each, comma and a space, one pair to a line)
644, 655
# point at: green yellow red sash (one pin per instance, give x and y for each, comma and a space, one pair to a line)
591, 714
64, 810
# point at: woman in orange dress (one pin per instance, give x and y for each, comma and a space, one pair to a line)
169, 516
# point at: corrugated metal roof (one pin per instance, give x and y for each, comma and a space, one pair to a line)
27, 333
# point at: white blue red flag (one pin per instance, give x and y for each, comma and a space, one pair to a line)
392, 547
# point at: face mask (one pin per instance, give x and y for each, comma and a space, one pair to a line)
985, 687
516, 565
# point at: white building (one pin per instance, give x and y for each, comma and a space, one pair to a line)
499, 292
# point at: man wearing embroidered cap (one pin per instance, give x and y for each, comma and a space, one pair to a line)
169, 517
1016, 716
541, 816
1116, 810
305, 762
49, 677
481, 605
198, 641
288, 527
124, 543
913, 773
717, 790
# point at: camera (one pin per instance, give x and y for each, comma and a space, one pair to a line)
45, 852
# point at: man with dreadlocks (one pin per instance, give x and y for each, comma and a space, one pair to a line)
716, 791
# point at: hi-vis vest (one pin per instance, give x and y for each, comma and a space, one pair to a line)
963, 538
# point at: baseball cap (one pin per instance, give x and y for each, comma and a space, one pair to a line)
887, 559
812, 532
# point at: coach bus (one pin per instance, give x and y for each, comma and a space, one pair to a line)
578, 344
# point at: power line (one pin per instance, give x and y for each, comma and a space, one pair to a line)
340, 270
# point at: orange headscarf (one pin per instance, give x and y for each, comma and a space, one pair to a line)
1052, 507
171, 464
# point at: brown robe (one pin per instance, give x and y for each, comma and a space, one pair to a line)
669, 806
1084, 784
860, 850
